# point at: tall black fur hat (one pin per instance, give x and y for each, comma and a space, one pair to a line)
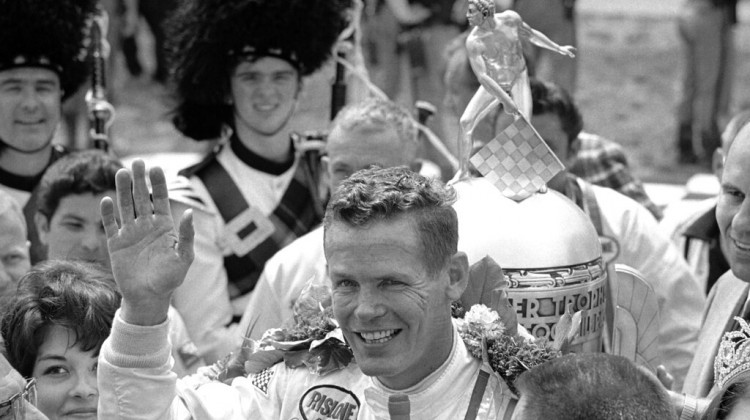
47, 33
207, 38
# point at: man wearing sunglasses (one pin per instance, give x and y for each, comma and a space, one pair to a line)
17, 396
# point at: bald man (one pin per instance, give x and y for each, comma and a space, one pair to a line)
729, 297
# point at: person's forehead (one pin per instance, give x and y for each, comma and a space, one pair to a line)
29, 74
742, 136
382, 249
549, 126
398, 231
12, 227
86, 202
384, 137
549, 118
264, 65
738, 154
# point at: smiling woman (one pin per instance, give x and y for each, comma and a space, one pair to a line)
53, 330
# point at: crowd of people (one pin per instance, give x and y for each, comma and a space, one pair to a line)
296, 275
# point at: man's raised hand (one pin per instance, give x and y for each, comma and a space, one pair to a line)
149, 258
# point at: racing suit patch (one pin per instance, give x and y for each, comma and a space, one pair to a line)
262, 378
329, 402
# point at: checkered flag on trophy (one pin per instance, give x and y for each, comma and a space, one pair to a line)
517, 161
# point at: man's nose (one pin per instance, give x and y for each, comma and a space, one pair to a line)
6, 281
370, 305
93, 240
265, 88
741, 222
30, 100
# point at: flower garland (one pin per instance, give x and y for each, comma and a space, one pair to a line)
483, 333
314, 340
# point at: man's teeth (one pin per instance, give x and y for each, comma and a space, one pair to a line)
742, 246
378, 336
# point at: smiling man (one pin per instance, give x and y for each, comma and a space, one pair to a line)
37, 73
391, 245
729, 297
68, 219
366, 133
391, 240
251, 196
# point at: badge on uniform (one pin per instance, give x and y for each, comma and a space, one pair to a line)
261, 379
247, 230
330, 402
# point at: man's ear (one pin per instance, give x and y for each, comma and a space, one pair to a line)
300, 85
42, 227
229, 98
573, 149
458, 275
325, 175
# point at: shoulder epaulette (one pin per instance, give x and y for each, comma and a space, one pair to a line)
181, 191
193, 170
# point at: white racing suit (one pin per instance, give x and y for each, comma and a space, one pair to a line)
135, 381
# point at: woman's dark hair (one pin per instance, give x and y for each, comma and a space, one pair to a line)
74, 295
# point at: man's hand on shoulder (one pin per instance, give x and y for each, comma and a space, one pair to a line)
149, 258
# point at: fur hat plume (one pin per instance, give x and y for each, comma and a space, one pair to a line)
47, 33
207, 38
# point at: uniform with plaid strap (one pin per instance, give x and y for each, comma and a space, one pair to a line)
246, 208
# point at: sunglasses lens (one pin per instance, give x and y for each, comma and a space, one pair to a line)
15, 408
29, 393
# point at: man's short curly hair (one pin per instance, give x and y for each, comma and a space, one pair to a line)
86, 172
378, 195
378, 113
74, 295
592, 386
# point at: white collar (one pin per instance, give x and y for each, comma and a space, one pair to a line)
438, 392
